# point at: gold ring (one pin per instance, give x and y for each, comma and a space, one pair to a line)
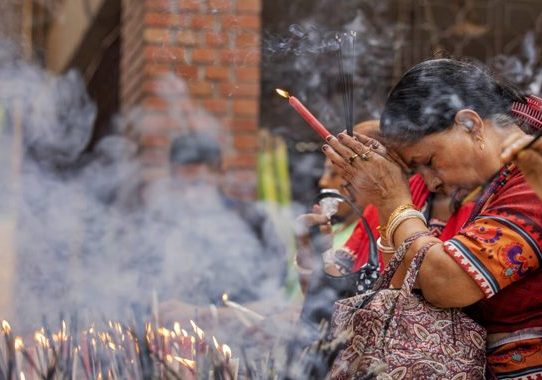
352, 158
365, 156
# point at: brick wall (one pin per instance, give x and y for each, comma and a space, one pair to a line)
214, 47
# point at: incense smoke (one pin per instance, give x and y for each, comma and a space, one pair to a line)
92, 241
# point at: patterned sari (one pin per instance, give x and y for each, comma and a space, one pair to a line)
500, 248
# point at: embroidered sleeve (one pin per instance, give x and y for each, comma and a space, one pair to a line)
495, 251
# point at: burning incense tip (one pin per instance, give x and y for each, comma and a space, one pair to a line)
6, 326
227, 351
19, 345
283, 93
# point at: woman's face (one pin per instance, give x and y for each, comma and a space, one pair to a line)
453, 162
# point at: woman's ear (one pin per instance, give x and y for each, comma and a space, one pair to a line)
471, 121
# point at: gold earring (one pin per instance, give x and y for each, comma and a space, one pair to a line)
482, 145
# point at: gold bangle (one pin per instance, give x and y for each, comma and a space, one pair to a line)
383, 247
397, 211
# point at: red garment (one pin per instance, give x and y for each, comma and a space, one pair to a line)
501, 249
358, 243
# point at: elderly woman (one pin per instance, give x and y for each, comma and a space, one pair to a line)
448, 120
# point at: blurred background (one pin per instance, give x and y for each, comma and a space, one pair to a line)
92, 93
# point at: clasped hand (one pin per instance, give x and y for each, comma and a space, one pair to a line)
375, 174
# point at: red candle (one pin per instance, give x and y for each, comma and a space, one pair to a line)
305, 114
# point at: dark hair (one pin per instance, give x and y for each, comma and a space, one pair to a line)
429, 95
195, 148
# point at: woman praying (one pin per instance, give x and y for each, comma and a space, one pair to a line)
448, 120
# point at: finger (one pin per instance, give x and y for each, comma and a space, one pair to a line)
341, 149
393, 156
356, 146
530, 163
326, 229
378, 147
512, 138
512, 149
371, 143
336, 159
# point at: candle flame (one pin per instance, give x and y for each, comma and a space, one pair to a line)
282, 93
112, 346
217, 346
6, 326
225, 297
22, 376
19, 344
227, 351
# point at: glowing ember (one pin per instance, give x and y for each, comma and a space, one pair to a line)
227, 351
177, 328
19, 345
186, 362
6, 327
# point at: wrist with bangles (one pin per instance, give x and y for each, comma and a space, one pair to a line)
397, 217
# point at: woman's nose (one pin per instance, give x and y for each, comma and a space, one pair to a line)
432, 182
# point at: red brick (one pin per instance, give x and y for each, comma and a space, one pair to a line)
164, 53
155, 102
247, 39
246, 142
187, 71
215, 39
203, 55
159, 5
190, 5
165, 19
187, 38
244, 124
247, 74
217, 106
156, 69
249, 6
164, 87
219, 5
157, 121
247, 161
246, 107
154, 140
200, 21
239, 89
217, 73
200, 88
241, 22
241, 56
156, 35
